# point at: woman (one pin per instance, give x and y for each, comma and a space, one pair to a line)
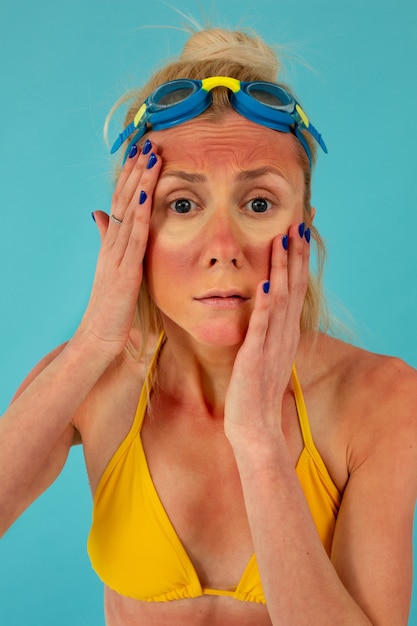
193, 412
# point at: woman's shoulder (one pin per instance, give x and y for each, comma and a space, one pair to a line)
353, 367
107, 414
375, 394
362, 407
123, 379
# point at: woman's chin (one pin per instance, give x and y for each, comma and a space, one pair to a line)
217, 333
222, 334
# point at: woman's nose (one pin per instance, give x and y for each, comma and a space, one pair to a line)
222, 241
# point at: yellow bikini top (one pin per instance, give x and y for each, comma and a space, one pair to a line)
133, 546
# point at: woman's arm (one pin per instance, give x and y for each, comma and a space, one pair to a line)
367, 581
36, 431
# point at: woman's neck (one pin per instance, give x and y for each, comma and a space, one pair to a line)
198, 372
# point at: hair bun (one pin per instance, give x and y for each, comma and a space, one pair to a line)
217, 43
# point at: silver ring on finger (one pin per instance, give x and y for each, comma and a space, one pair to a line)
115, 219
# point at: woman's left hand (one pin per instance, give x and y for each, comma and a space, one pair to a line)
262, 368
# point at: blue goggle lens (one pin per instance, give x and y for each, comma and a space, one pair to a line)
270, 95
170, 94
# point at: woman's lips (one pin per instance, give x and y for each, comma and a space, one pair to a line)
222, 300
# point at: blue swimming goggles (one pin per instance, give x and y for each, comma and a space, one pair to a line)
181, 100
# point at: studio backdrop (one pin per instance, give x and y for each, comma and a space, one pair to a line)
63, 65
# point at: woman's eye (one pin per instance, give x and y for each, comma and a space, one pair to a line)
182, 205
259, 205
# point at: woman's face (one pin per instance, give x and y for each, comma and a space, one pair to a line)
225, 191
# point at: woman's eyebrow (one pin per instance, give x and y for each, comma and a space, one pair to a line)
193, 177
190, 177
260, 171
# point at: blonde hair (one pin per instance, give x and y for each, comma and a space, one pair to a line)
246, 57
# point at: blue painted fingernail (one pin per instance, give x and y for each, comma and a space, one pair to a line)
265, 286
146, 147
307, 235
133, 151
285, 242
151, 161
93, 216
301, 229
142, 197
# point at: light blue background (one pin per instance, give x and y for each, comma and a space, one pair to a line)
63, 63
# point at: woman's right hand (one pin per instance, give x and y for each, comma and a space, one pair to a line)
109, 316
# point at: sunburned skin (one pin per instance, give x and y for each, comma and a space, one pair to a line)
203, 266
211, 212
